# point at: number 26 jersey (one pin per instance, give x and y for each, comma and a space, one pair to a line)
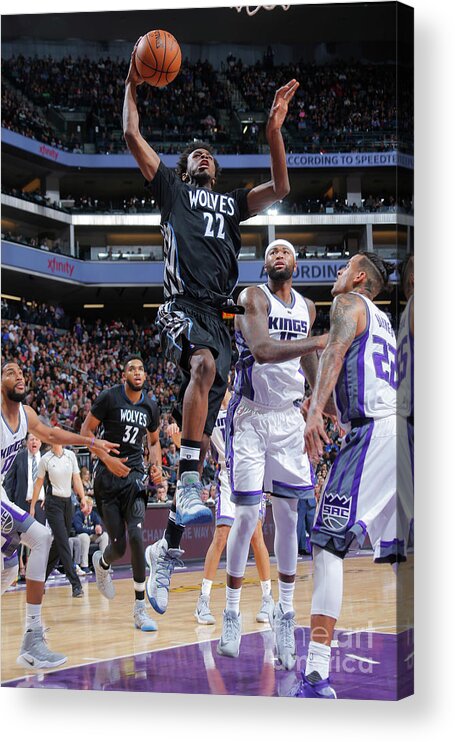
368, 381
126, 423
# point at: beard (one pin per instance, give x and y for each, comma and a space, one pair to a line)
135, 387
202, 179
282, 274
16, 396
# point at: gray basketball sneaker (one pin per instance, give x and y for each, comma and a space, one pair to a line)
229, 644
284, 626
265, 614
202, 612
142, 620
161, 561
35, 653
104, 580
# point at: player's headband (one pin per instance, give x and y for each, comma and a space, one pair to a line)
284, 243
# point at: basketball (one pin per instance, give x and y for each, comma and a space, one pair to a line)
158, 58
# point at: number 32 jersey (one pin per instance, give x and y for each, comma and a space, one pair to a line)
368, 381
126, 423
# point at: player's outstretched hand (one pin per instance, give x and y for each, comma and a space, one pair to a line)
315, 436
283, 97
133, 75
102, 446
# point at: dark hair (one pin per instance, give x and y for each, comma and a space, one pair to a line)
404, 265
182, 162
383, 268
132, 357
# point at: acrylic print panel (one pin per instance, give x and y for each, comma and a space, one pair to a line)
78, 220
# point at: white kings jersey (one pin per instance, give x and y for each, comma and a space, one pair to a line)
218, 438
368, 381
405, 351
274, 385
12, 442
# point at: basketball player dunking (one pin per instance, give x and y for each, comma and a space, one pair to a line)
359, 496
201, 246
264, 434
18, 526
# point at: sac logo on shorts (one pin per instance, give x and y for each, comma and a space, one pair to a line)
336, 510
7, 521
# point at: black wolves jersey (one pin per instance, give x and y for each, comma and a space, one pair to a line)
201, 237
126, 423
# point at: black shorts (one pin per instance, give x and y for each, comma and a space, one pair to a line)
126, 496
185, 327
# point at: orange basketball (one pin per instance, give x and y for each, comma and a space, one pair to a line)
158, 58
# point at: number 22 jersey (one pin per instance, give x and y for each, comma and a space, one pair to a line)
368, 380
126, 423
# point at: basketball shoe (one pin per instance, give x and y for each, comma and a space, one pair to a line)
189, 506
142, 620
202, 612
265, 614
161, 561
283, 626
35, 653
312, 686
229, 644
104, 580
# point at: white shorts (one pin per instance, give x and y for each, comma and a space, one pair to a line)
360, 495
224, 507
15, 522
265, 450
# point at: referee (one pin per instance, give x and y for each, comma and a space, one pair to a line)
60, 464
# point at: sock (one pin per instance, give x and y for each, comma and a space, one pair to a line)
233, 599
318, 659
32, 616
266, 587
139, 603
206, 587
103, 564
189, 456
173, 533
139, 590
286, 595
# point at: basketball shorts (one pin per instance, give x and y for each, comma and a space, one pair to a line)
15, 523
185, 327
225, 508
120, 498
360, 495
265, 452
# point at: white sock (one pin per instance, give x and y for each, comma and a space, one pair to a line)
139, 603
266, 587
233, 599
318, 659
32, 616
286, 595
206, 587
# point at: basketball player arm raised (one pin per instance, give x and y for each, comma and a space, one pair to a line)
254, 326
56, 435
115, 465
145, 156
346, 314
266, 194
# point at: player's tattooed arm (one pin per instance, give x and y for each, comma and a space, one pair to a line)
254, 326
344, 319
145, 156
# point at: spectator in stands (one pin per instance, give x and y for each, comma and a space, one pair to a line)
90, 530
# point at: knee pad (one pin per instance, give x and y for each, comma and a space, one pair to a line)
39, 539
239, 539
285, 516
327, 583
